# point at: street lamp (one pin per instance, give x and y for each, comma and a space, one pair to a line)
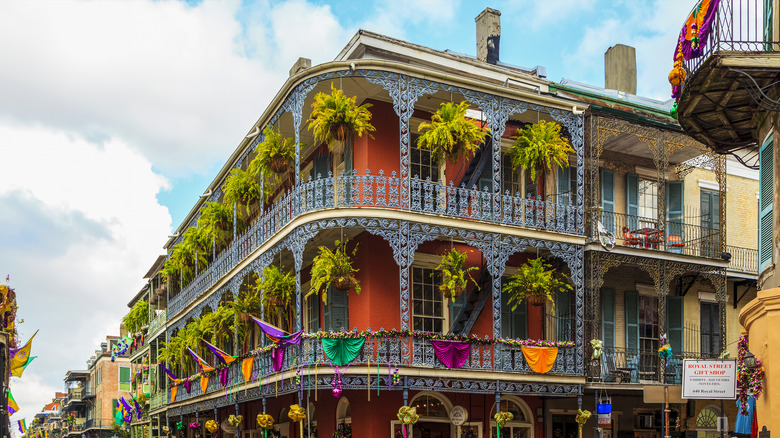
749, 361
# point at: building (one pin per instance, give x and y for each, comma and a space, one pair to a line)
726, 99
658, 196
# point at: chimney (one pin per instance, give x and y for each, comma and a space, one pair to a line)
620, 69
300, 64
488, 35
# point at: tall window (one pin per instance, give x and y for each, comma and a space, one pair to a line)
124, 379
567, 185
710, 329
710, 223
514, 323
510, 180
427, 301
648, 199
421, 164
648, 333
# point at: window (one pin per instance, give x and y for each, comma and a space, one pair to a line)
514, 323
124, 378
422, 164
430, 406
521, 425
766, 200
710, 329
510, 180
313, 313
648, 199
710, 223
567, 185
427, 301
641, 201
336, 312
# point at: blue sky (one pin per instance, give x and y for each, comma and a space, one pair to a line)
115, 116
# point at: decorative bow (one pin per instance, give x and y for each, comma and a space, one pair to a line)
166, 430
235, 420
407, 415
296, 413
194, 425
503, 417
179, 425
212, 426
665, 352
582, 417
265, 421
597, 345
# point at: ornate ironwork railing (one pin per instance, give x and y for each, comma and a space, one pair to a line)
743, 259
627, 365
158, 400
385, 352
739, 25
381, 192
676, 236
158, 321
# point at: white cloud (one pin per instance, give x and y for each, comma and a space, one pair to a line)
81, 225
31, 394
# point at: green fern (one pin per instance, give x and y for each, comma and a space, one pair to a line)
216, 225
454, 276
540, 145
534, 278
330, 266
335, 116
242, 189
137, 317
449, 135
278, 290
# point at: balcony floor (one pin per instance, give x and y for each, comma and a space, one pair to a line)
718, 103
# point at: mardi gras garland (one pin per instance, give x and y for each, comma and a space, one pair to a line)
748, 380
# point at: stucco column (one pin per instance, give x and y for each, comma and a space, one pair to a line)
761, 318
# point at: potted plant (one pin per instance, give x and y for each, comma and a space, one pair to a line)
137, 317
278, 290
242, 190
333, 267
540, 145
536, 281
449, 134
274, 154
454, 276
215, 225
337, 117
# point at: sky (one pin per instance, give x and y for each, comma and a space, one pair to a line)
116, 115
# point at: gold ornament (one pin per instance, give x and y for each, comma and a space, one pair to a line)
212, 426
235, 420
296, 413
265, 421
503, 417
407, 415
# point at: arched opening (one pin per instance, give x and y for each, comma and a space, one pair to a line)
521, 425
707, 422
434, 410
343, 417
310, 428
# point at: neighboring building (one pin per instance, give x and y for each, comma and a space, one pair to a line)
107, 381
633, 168
76, 403
728, 100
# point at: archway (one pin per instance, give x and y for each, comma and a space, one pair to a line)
521, 425
344, 417
434, 411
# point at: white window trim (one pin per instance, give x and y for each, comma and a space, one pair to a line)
710, 185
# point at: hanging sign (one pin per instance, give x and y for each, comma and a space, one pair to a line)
709, 378
605, 421
459, 415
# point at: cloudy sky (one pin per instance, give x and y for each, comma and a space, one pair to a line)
115, 116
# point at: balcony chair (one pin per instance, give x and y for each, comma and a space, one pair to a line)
630, 239
610, 372
676, 244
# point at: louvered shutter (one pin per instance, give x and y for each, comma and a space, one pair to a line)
608, 317
766, 201
632, 320
632, 199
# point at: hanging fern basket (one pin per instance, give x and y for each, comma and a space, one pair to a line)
536, 300
344, 282
279, 164
451, 292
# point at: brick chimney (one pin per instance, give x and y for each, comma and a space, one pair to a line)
488, 35
620, 69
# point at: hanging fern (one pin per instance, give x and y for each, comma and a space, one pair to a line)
335, 116
242, 190
535, 278
449, 135
278, 290
137, 317
454, 276
275, 154
333, 267
216, 225
540, 145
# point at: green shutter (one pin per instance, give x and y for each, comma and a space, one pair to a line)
514, 323
766, 201
768, 7
674, 208
321, 166
337, 311
486, 176
675, 320
608, 199
632, 199
564, 185
124, 379
632, 320
313, 311
608, 317
563, 314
